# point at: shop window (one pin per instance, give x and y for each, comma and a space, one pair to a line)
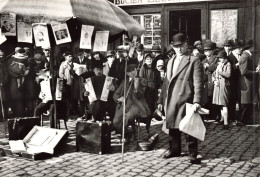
152, 25
223, 25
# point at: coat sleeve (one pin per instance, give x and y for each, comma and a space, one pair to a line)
61, 71
197, 81
243, 67
213, 66
163, 91
226, 72
118, 92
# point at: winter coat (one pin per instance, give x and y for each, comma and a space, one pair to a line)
212, 61
221, 93
136, 105
247, 79
184, 87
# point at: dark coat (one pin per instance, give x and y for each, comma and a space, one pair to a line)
184, 87
3, 79
212, 61
247, 79
118, 70
17, 94
77, 85
136, 105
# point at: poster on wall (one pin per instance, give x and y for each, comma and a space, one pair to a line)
85, 37
101, 41
24, 32
223, 25
8, 24
41, 35
61, 33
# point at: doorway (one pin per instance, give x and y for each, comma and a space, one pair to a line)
187, 22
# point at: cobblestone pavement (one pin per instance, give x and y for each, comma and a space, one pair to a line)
233, 152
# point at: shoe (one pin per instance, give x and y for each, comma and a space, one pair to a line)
170, 154
239, 124
195, 161
226, 127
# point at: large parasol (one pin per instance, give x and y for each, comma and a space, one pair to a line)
99, 13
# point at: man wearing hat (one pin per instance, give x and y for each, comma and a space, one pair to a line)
136, 105
156, 54
183, 84
118, 67
169, 53
77, 85
210, 65
110, 57
228, 46
140, 54
234, 80
247, 84
99, 107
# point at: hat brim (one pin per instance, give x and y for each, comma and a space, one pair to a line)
247, 47
177, 43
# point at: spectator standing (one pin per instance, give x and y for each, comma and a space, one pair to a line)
247, 84
221, 94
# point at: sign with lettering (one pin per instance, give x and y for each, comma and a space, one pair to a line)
142, 2
223, 25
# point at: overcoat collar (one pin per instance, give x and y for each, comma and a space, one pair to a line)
184, 62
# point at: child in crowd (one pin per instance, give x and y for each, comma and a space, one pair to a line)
221, 82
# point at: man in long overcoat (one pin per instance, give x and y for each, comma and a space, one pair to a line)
183, 84
248, 88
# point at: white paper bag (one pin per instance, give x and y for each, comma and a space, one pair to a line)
192, 124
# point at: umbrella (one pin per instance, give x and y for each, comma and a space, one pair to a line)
99, 13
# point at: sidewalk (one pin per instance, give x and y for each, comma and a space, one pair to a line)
233, 152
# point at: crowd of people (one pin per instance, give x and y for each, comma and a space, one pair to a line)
206, 75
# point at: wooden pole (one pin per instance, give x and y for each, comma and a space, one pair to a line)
123, 131
54, 80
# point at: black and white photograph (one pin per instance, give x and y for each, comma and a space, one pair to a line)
130, 88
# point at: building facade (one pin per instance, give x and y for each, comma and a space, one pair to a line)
199, 19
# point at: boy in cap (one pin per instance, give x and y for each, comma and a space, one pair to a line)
110, 57
100, 106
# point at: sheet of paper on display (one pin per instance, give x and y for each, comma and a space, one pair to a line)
86, 36
2, 38
108, 83
89, 88
41, 35
46, 89
101, 41
8, 24
60, 32
24, 32
79, 68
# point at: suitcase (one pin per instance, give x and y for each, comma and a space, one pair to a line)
93, 137
18, 128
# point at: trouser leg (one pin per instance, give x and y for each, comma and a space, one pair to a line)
192, 144
247, 113
175, 141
